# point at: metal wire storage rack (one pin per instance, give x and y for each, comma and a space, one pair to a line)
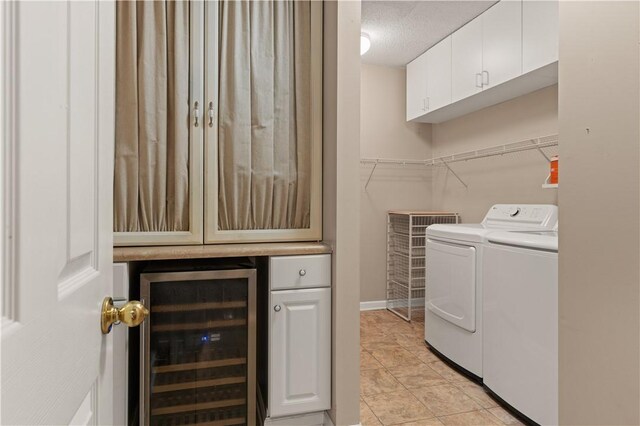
406, 261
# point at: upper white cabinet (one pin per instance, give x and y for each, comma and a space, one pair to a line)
501, 43
539, 34
433, 66
439, 75
417, 87
509, 50
466, 60
225, 145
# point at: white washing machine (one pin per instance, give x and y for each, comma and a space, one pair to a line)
453, 302
520, 314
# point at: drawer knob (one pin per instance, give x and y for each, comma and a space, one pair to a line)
302, 272
277, 308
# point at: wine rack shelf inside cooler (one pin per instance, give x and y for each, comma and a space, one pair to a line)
199, 357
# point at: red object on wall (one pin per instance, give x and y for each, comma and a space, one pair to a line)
553, 175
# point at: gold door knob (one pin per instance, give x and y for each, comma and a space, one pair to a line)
132, 314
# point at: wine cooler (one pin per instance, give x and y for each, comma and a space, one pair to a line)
198, 348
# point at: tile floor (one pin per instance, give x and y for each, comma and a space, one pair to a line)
404, 383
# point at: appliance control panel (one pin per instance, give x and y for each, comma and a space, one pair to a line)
543, 216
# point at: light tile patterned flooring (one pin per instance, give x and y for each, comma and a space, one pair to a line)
403, 382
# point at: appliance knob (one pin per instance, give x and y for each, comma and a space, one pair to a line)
514, 211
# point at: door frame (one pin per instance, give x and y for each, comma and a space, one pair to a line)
7, 168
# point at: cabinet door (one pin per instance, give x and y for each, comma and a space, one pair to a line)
263, 122
466, 60
158, 174
439, 75
539, 34
300, 351
501, 43
417, 87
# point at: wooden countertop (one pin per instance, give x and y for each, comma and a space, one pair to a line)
130, 254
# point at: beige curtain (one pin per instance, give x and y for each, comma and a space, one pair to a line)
264, 132
151, 184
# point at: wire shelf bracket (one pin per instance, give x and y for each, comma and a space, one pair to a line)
371, 174
455, 174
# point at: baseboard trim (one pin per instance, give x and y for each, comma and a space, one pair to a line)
309, 419
373, 305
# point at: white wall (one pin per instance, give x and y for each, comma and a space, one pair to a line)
514, 178
599, 276
385, 133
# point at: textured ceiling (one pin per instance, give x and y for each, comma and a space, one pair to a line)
401, 30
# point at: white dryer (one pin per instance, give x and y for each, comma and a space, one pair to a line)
453, 301
520, 313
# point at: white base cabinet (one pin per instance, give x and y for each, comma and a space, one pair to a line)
300, 355
299, 335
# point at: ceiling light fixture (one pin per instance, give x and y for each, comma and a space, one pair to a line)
365, 43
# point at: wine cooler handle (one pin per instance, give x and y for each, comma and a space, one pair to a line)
277, 308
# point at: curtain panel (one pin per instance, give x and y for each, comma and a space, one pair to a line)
151, 181
264, 132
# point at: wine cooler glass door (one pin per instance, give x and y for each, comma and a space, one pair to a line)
198, 356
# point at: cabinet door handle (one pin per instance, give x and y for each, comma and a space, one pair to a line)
479, 80
196, 114
424, 104
211, 114
485, 78
302, 272
428, 104
277, 308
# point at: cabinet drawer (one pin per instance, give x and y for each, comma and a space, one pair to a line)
300, 271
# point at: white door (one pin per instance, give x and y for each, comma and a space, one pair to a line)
417, 87
539, 34
439, 75
466, 60
501, 43
300, 351
451, 283
58, 109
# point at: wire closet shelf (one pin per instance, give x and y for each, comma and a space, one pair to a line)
509, 148
406, 259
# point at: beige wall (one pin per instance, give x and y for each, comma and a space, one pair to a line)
514, 178
341, 219
385, 133
599, 294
